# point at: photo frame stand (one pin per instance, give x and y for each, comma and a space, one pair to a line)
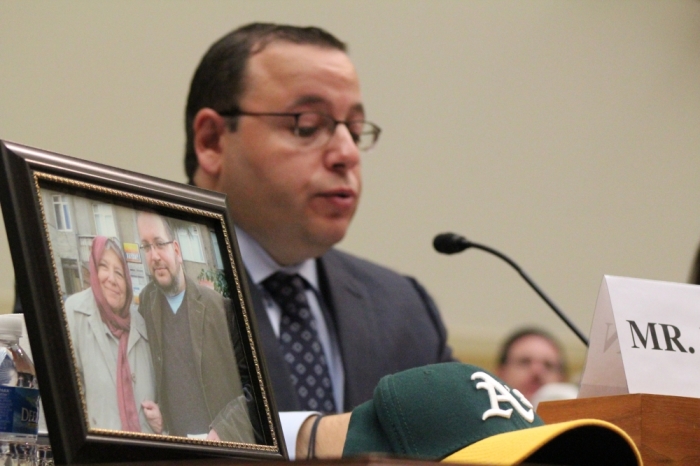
69, 222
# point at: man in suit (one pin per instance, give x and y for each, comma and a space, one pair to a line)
198, 387
275, 120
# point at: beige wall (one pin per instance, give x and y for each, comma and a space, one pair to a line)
566, 134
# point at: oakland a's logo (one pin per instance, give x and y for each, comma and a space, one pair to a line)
498, 393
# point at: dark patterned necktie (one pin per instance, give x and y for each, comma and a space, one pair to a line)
300, 344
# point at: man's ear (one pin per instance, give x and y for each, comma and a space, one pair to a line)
178, 250
208, 128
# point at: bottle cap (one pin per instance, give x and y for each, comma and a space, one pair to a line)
11, 325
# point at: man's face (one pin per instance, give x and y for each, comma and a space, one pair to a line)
532, 362
295, 201
164, 260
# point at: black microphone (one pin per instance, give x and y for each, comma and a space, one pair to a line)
451, 243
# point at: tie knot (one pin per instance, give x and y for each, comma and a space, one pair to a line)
281, 284
288, 291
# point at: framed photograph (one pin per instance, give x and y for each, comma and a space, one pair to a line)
138, 314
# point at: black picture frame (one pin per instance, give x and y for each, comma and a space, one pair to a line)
37, 187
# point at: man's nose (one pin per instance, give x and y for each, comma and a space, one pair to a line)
543, 368
342, 153
153, 255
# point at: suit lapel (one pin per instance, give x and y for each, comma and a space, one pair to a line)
355, 324
195, 315
156, 315
153, 315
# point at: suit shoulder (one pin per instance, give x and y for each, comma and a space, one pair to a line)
146, 298
360, 267
205, 293
147, 290
386, 286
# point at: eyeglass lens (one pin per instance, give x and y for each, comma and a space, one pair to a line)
317, 128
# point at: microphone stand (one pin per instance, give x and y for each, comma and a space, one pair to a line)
534, 287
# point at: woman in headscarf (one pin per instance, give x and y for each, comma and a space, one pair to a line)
111, 346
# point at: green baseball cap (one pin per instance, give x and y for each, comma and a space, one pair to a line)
456, 412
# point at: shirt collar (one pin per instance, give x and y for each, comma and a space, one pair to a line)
260, 265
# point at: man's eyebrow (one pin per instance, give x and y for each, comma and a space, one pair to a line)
314, 99
155, 240
359, 108
308, 99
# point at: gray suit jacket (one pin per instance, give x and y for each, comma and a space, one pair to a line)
384, 323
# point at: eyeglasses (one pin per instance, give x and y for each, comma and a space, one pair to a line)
315, 129
527, 362
159, 245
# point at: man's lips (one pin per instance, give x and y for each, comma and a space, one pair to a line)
159, 269
339, 199
343, 193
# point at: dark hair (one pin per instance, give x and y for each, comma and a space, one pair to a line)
218, 82
526, 332
166, 223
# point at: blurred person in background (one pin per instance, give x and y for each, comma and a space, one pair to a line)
529, 359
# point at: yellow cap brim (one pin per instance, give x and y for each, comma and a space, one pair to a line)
512, 448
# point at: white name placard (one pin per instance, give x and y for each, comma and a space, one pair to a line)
645, 338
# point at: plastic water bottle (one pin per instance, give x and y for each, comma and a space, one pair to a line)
19, 397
